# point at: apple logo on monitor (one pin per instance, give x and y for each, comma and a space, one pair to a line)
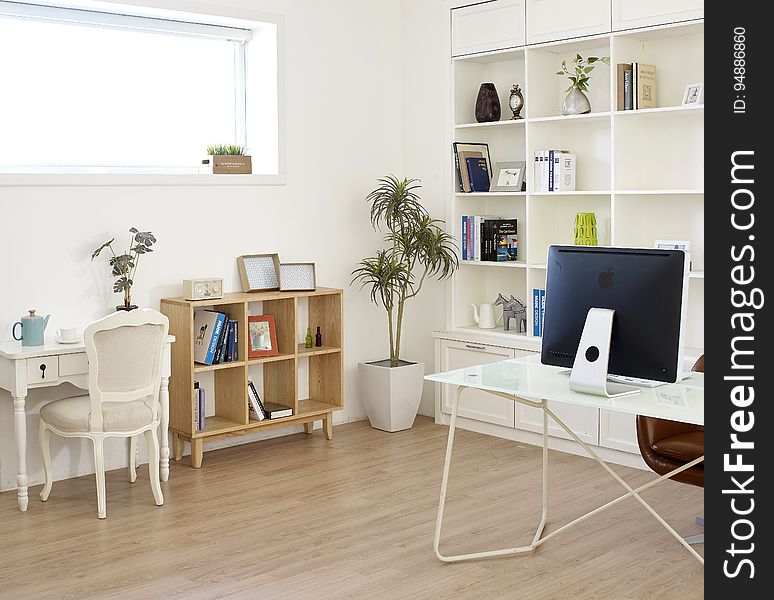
606, 279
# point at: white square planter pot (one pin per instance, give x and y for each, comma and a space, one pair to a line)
391, 395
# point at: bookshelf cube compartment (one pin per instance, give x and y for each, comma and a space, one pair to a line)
284, 312
546, 90
504, 69
553, 221
659, 47
643, 219
279, 383
587, 138
507, 207
230, 394
325, 312
477, 285
667, 150
325, 382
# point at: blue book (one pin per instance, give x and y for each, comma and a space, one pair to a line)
235, 350
478, 172
464, 237
536, 312
542, 309
208, 327
550, 170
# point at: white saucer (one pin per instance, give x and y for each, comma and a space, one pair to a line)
61, 341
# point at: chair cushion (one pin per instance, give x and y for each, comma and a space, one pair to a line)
72, 414
684, 447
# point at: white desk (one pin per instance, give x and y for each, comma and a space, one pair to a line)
21, 369
526, 381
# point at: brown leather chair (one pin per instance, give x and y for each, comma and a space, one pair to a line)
667, 445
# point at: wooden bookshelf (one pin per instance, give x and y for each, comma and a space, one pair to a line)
226, 383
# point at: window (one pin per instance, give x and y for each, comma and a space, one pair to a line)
86, 91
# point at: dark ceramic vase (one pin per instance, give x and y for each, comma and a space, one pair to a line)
487, 104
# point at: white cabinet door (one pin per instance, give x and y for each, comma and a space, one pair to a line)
618, 431
580, 419
549, 20
488, 26
475, 404
628, 14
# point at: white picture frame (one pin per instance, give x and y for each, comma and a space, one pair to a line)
508, 176
297, 277
692, 94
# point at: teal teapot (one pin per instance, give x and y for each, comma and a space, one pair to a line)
32, 329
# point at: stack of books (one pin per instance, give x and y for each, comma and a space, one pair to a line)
554, 171
538, 311
199, 407
260, 410
491, 239
636, 86
216, 338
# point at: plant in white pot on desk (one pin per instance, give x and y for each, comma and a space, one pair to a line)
417, 249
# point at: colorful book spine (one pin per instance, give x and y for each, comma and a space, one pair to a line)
214, 340
202, 409
542, 309
536, 313
197, 403
221, 343
470, 238
551, 170
235, 340
464, 237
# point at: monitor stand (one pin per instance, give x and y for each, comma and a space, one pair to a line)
589, 371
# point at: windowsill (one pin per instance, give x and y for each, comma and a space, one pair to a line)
134, 179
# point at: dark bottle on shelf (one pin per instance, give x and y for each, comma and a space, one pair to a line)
318, 338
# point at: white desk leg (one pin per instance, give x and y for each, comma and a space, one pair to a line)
164, 428
20, 430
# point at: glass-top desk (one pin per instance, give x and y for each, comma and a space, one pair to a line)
528, 382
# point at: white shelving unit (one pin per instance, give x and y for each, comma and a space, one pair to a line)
641, 172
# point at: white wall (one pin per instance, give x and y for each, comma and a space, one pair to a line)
359, 104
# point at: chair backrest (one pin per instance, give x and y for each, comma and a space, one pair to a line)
124, 351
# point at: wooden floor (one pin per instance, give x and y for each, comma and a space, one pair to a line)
299, 517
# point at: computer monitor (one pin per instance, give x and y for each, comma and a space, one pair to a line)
643, 294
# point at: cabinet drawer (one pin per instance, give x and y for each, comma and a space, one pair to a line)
73, 364
582, 420
42, 370
487, 26
549, 20
475, 404
628, 14
618, 431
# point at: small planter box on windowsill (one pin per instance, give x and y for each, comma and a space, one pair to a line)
226, 164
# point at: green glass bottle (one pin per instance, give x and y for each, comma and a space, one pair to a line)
308, 337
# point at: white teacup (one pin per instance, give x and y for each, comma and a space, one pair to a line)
67, 333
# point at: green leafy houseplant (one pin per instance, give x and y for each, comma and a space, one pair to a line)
225, 149
418, 248
125, 264
580, 74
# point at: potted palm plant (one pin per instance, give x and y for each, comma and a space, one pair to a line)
417, 249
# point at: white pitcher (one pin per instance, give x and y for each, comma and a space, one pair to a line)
484, 316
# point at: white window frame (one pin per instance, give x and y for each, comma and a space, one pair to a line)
242, 25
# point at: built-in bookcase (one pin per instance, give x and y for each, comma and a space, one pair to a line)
277, 378
641, 172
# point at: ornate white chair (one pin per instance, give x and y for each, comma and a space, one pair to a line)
124, 352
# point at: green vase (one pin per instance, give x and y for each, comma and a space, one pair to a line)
585, 230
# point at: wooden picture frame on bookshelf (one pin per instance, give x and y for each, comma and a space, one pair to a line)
297, 277
261, 336
259, 272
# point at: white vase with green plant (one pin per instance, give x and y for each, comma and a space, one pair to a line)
576, 102
417, 249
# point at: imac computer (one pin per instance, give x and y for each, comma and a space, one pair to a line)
615, 312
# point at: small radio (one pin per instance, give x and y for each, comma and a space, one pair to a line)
203, 289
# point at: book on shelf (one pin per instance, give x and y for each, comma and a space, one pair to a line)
554, 171
478, 174
208, 326
199, 407
277, 411
257, 411
646, 86
542, 309
219, 354
538, 311
464, 150
504, 240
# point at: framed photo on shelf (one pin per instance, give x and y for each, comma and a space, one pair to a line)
692, 94
463, 151
261, 336
259, 272
508, 176
297, 277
